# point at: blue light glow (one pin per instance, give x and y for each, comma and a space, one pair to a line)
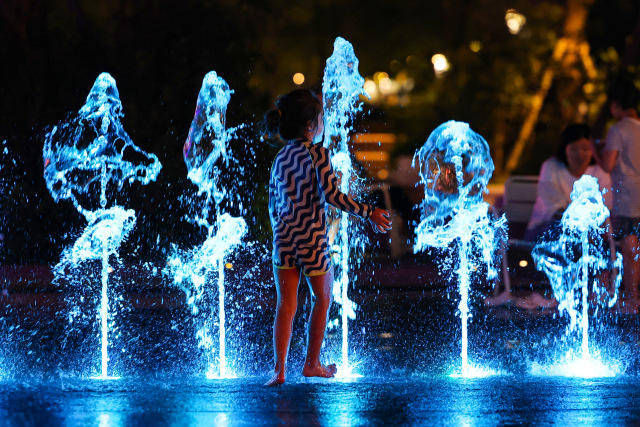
455, 168
342, 87
94, 148
572, 260
204, 150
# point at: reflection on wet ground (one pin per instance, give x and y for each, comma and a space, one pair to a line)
405, 341
372, 401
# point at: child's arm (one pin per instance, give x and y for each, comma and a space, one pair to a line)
329, 186
332, 194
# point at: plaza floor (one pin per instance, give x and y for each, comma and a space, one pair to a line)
372, 401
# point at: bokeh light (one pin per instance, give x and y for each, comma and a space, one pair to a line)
298, 78
515, 21
475, 45
371, 88
383, 174
440, 64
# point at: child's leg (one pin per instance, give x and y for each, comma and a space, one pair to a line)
287, 286
322, 290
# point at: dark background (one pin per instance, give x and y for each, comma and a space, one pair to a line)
158, 51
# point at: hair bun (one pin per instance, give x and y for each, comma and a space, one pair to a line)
272, 122
293, 114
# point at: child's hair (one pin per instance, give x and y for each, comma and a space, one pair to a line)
625, 94
294, 111
571, 134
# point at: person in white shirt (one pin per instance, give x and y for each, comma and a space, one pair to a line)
621, 157
557, 175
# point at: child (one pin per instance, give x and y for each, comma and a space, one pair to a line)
302, 181
621, 157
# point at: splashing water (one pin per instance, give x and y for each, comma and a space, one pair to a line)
94, 148
572, 365
342, 87
568, 261
205, 146
455, 167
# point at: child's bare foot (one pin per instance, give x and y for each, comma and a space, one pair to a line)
320, 371
276, 380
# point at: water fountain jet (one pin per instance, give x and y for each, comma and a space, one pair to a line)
94, 148
455, 168
342, 87
205, 147
570, 259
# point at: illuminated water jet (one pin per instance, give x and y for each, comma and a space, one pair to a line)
93, 148
455, 168
570, 260
204, 152
342, 87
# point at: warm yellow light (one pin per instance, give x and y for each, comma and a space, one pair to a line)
523, 263
440, 64
515, 21
583, 108
371, 88
589, 88
372, 156
475, 46
109, 270
298, 78
385, 84
372, 138
229, 266
379, 76
383, 174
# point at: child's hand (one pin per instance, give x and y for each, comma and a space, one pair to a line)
380, 220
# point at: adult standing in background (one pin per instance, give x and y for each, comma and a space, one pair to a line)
621, 157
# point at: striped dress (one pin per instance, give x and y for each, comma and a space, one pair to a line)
302, 181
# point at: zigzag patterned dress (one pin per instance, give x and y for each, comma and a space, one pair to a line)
302, 181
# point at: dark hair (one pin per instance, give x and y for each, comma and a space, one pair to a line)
571, 134
294, 111
625, 94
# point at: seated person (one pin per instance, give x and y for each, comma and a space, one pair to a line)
557, 175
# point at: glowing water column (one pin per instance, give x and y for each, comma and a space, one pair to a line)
569, 260
204, 151
88, 150
455, 167
341, 89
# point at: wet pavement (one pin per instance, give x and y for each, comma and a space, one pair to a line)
405, 340
383, 401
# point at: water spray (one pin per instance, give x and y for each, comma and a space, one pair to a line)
455, 168
342, 87
204, 152
93, 148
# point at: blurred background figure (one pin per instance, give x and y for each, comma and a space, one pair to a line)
621, 157
557, 176
572, 160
